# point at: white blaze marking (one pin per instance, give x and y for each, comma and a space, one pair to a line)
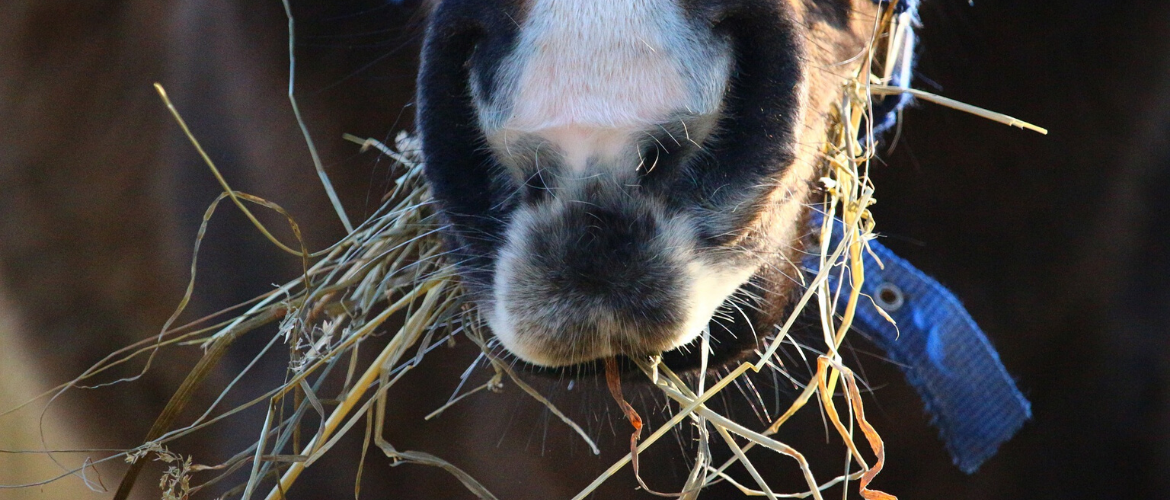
591, 76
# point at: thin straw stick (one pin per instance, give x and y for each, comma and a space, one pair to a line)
292, 73
961, 106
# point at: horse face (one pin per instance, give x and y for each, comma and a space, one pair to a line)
618, 176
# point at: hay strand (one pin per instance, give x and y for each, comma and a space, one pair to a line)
883, 90
292, 99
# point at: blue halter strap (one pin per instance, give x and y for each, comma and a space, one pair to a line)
946, 357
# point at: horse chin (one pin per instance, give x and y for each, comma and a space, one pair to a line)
684, 360
732, 338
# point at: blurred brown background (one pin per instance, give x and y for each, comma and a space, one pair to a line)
1056, 244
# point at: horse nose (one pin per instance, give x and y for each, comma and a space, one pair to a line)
581, 281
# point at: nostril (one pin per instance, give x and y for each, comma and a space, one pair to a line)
535, 190
663, 153
650, 156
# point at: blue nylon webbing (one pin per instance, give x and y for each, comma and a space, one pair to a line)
946, 357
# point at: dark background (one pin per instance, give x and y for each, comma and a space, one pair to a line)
1056, 244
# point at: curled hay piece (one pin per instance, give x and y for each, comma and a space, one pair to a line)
394, 263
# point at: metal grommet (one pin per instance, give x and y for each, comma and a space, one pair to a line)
889, 297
